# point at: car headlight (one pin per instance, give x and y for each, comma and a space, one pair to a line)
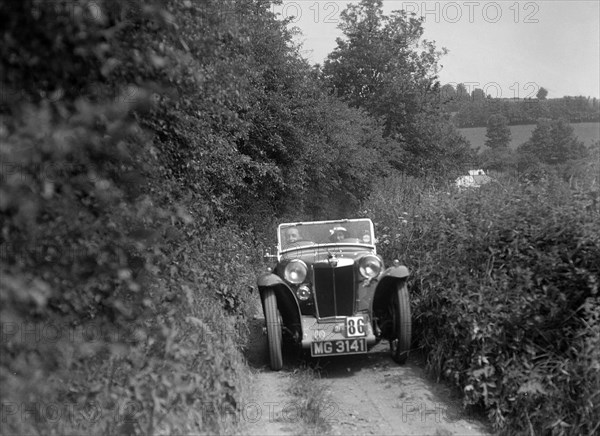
303, 292
295, 271
370, 266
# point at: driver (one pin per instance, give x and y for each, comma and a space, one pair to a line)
292, 235
338, 234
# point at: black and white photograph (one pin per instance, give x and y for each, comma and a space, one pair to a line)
299, 217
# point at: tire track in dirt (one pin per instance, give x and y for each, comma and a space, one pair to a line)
269, 408
369, 393
377, 396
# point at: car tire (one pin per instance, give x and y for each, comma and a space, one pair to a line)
273, 329
401, 339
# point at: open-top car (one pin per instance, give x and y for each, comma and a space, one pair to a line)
330, 294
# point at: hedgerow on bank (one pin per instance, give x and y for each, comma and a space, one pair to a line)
505, 291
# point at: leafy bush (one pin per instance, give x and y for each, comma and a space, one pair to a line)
123, 305
505, 289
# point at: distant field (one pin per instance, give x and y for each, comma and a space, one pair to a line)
586, 132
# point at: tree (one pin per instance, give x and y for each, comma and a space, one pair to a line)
478, 94
498, 133
382, 66
447, 92
542, 93
461, 92
553, 142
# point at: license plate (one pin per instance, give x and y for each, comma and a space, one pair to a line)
339, 347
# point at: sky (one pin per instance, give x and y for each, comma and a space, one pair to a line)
507, 48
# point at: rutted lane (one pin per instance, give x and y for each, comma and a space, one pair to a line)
369, 394
377, 396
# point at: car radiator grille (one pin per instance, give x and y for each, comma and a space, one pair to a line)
334, 290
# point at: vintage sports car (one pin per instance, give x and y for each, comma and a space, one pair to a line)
330, 294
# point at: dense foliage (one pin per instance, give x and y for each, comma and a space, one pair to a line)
383, 65
117, 317
505, 294
553, 142
497, 133
475, 109
552, 145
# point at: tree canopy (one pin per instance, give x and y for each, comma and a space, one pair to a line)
384, 66
553, 142
542, 93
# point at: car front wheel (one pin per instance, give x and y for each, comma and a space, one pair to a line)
273, 329
400, 342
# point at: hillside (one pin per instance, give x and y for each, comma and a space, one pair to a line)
475, 110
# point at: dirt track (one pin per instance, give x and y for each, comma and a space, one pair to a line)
370, 394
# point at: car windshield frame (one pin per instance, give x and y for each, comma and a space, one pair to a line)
318, 233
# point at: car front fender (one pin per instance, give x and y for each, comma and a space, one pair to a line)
387, 285
269, 279
396, 271
286, 300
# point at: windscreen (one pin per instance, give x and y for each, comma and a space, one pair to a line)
295, 235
